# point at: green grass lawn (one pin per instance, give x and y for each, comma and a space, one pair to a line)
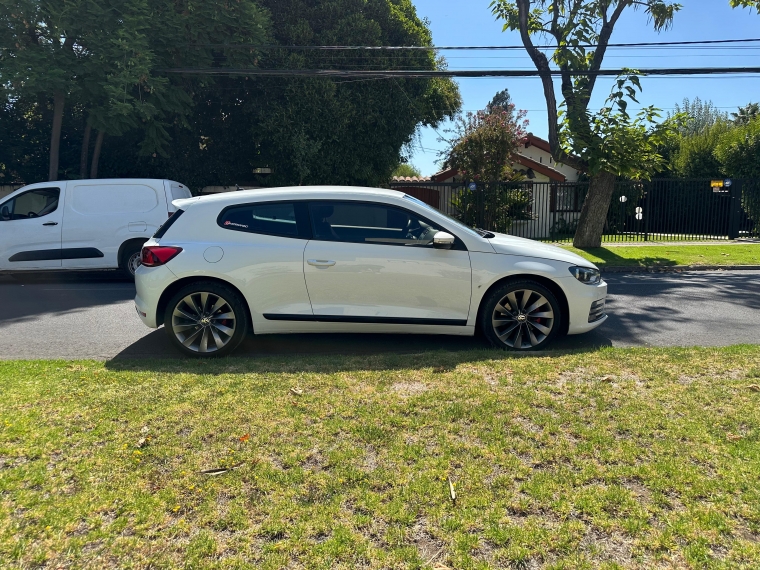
663, 256
617, 458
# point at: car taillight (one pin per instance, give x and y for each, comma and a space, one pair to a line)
155, 255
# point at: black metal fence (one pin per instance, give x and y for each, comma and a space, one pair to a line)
658, 210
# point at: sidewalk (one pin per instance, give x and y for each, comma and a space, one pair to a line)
740, 241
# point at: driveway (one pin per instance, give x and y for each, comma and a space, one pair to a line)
91, 315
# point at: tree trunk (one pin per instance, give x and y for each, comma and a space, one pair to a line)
55, 136
594, 211
96, 155
85, 152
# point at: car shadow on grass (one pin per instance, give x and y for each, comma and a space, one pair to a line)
337, 352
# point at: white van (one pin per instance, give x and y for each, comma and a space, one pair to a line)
83, 224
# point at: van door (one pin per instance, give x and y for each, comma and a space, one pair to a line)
102, 216
30, 228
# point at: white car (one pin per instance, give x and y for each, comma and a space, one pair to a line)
83, 224
352, 260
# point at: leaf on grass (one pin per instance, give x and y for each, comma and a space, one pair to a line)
296, 391
607, 379
221, 470
145, 429
733, 437
753, 387
245, 437
142, 442
439, 566
452, 492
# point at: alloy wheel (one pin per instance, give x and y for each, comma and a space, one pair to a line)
203, 322
523, 319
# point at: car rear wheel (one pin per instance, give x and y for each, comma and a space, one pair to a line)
521, 315
206, 319
130, 260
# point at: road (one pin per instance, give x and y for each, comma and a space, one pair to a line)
92, 315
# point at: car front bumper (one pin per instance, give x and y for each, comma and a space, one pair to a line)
584, 301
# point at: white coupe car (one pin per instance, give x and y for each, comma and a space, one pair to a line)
352, 260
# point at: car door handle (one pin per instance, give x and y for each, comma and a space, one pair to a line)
320, 262
50, 224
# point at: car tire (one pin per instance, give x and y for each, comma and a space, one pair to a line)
512, 321
206, 319
130, 260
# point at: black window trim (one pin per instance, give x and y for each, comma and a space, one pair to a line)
300, 207
459, 245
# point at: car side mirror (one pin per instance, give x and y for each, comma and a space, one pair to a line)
443, 240
5, 213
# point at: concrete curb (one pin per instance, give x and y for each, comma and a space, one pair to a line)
676, 268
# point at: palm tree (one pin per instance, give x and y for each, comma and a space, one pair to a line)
746, 114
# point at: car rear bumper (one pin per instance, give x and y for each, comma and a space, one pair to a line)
150, 283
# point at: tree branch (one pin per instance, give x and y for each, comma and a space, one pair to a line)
544, 70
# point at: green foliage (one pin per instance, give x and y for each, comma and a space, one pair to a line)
746, 114
494, 205
484, 142
618, 143
698, 115
695, 154
738, 150
205, 130
406, 170
746, 4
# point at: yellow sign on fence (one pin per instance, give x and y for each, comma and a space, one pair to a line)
716, 184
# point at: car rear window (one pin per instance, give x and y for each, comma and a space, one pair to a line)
285, 219
167, 224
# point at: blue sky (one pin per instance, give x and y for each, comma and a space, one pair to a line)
469, 22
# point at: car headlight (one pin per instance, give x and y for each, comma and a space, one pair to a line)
586, 275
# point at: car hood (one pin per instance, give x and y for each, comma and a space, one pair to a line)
511, 245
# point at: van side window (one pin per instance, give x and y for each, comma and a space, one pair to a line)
33, 204
287, 219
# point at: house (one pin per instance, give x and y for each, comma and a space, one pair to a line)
556, 196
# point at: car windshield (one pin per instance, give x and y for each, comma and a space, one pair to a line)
454, 221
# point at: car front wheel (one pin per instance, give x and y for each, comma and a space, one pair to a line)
521, 315
206, 319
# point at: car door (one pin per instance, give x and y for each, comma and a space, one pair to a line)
30, 229
373, 262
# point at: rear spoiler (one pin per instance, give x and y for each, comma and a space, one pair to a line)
182, 203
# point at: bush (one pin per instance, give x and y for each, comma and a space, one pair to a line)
695, 156
493, 206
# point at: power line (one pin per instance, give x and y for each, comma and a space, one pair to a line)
428, 48
405, 73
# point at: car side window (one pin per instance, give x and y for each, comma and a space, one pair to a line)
287, 219
362, 222
32, 204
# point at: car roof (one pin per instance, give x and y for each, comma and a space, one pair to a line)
298, 193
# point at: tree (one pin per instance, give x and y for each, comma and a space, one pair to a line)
100, 57
694, 156
308, 130
698, 115
406, 170
580, 31
746, 114
738, 150
481, 150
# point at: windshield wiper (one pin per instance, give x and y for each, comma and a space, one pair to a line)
485, 233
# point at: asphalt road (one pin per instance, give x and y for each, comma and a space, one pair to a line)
91, 315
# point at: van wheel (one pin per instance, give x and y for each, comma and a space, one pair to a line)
206, 319
130, 259
520, 315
